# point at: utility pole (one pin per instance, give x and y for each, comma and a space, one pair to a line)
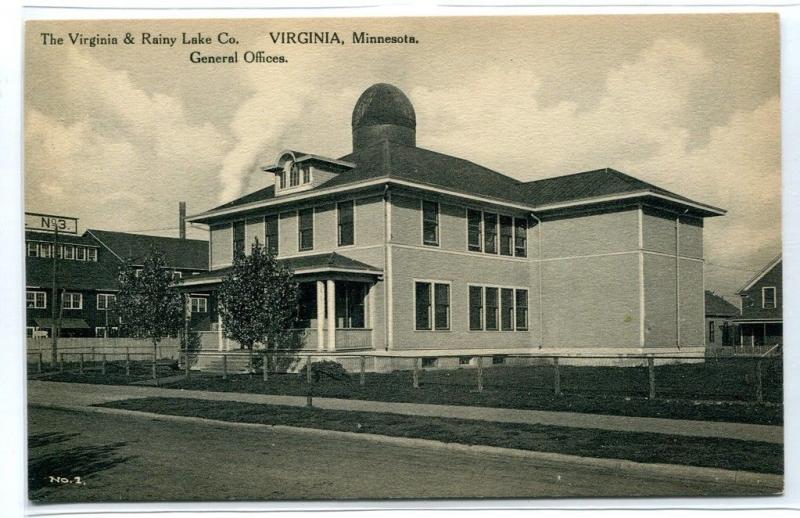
53, 327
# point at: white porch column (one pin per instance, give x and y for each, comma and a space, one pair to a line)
321, 315
331, 294
219, 331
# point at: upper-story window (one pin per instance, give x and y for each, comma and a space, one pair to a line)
768, 300
474, 223
305, 226
490, 233
430, 223
506, 235
238, 238
36, 299
282, 179
520, 237
306, 174
346, 227
294, 175
271, 233
106, 301
73, 301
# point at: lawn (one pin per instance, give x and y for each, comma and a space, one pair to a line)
717, 390
634, 446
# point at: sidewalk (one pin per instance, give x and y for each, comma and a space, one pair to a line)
76, 394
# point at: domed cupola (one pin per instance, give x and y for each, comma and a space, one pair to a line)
383, 112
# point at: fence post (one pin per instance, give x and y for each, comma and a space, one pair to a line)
224, 366
103, 369
480, 373
61, 363
93, 357
759, 383
415, 378
556, 377
361, 379
39, 362
127, 361
80, 365
265, 367
186, 360
309, 401
155, 374
651, 372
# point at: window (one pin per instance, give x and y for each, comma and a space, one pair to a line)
238, 238
73, 301
80, 253
350, 309
464, 360
429, 363
441, 320
294, 176
492, 309
271, 233
306, 229
306, 174
282, 179
498, 360
100, 332
506, 235
45, 250
474, 219
345, 222
36, 299
177, 275
522, 310
768, 297
60, 252
430, 223
106, 301
29, 331
199, 304
507, 309
432, 302
69, 252
711, 330
490, 233
475, 308
33, 249
422, 298
520, 237
91, 255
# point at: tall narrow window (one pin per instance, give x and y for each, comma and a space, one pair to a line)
492, 309
711, 330
80, 253
441, 306
282, 179
475, 308
69, 252
522, 309
306, 229
490, 233
768, 297
474, 218
294, 175
271, 233
91, 255
346, 228
506, 235
430, 223
33, 249
306, 174
507, 308
422, 298
238, 238
520, 237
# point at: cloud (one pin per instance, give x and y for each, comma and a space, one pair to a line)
127, 158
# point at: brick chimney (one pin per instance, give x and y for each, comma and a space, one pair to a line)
182, 219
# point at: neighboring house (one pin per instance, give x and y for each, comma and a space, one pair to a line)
87, 271
399, 248
761, 321
720, 330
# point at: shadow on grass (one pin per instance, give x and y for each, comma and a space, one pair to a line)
44, 439
77, 461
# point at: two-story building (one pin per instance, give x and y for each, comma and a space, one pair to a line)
85, 271
761, 321
398, 248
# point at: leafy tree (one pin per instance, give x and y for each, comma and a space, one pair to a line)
258, 300
148, 304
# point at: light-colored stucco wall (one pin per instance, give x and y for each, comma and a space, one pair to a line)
221, 245
598, 233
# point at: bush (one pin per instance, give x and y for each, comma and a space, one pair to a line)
326, 368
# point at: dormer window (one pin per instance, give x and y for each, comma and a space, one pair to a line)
294, 174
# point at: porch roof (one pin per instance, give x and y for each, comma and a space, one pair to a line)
300, 265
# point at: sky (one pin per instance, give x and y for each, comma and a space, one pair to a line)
117, 135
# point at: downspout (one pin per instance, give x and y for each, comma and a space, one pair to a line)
387, 269
539, 270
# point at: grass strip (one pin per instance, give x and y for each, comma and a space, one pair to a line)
635, 446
